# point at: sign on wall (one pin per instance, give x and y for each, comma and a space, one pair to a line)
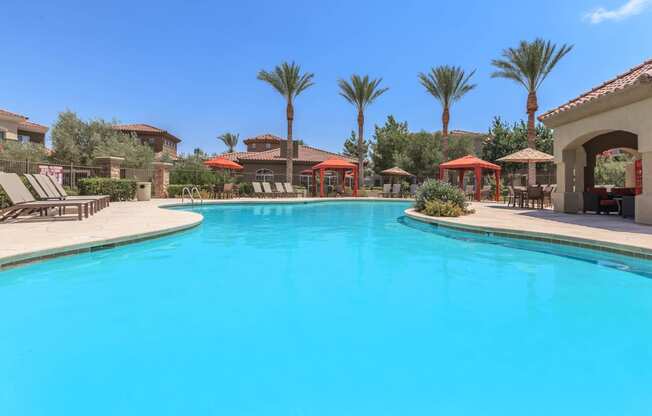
54, 171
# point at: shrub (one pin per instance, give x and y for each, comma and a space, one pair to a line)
245, 188
433, 190
436, 208
117, 189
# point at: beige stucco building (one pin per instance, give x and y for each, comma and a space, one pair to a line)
614, 115
17, 127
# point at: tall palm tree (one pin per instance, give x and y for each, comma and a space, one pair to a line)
361, 92
230, 140
447, 84
529, 64
289, 82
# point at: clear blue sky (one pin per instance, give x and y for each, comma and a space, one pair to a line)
190, 67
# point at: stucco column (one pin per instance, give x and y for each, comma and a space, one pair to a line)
161, 178
570, 181
110, 166
644, 200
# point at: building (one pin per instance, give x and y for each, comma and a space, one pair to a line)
17, 127
266, 156
615, 115
161, 141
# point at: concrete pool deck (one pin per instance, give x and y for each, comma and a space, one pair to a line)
603, 232
33, 239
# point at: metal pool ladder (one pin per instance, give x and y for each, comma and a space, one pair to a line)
191, 191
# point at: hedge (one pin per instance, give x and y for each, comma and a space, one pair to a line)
117, 189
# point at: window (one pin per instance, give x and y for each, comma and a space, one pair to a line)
330, 179
268, 145
3, 135
253, 146
305, 180
264, 175
23, 138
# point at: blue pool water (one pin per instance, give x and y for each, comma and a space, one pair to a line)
326, 309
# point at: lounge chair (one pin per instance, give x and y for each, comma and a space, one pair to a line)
267, 190
396, 190
24, 203
258, 190
387, 190
289, 189
51, 189
280, 190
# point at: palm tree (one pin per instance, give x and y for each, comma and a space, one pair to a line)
447, 84
529, 64
289, 82
361, 92
230, 140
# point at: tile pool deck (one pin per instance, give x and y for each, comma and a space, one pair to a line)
124, 222
603, 232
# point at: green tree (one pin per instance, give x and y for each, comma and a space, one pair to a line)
351, 147
288, 80
448, 84
460, 147
79, 142
230, 140
529, 64
66, 134
14, 150
361, 92
388, 142
504, 139
420, 155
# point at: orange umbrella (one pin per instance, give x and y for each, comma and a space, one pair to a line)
223, 163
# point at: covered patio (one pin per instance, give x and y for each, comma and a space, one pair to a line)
472, 163
613, 116
339, 166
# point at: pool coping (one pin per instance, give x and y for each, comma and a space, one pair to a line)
554, 238
10, 262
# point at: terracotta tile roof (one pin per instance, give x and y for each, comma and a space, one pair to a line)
10, 114
307, 154
465, 133
145, 129
263, 138
33, 127
635, 76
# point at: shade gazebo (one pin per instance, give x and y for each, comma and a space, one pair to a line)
470, 162
223, 163
337, 165
527, 155
396, 172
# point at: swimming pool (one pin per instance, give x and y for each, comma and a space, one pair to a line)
326, 309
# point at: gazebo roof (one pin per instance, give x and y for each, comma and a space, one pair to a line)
223, 163
469, 162
335, 163
527, 155
396, 171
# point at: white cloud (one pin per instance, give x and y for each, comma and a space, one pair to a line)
631, 8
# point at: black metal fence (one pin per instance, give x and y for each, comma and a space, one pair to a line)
71, 174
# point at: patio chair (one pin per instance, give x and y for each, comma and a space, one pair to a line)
387, 190
469, 192
53, 190
535, 196
280, 190
258, 190
396, 190
267, 190
413, 190
227, 191
289, 189
23, 201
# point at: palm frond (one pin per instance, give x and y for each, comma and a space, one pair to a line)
287, 79
447, 83
361, 91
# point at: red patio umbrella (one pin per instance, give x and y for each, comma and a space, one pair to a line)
223, 163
